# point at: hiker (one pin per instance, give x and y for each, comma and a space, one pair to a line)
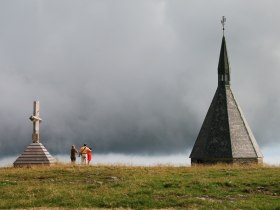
89, 155
74, 152
83, 153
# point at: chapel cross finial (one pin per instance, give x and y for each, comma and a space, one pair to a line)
223, 21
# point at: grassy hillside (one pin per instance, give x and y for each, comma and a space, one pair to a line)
67, 186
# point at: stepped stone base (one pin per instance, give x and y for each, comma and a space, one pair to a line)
35, 154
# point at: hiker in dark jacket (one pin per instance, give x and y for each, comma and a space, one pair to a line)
74, 152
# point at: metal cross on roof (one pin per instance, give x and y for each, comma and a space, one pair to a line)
223, 21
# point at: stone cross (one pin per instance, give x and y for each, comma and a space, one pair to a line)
35, 118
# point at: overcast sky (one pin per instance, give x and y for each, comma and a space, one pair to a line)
133, 76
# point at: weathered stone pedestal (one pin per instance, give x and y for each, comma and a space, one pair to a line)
35, 154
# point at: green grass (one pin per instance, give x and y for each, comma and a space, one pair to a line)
208, 187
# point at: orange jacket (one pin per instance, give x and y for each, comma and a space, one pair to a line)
84, 150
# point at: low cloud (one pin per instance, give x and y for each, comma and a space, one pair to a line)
132, 77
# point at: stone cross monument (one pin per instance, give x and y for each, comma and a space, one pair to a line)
35, 118
35, 153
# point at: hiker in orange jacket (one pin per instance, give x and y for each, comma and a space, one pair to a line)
83, 153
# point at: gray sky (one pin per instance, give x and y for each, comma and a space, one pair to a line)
133, 76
